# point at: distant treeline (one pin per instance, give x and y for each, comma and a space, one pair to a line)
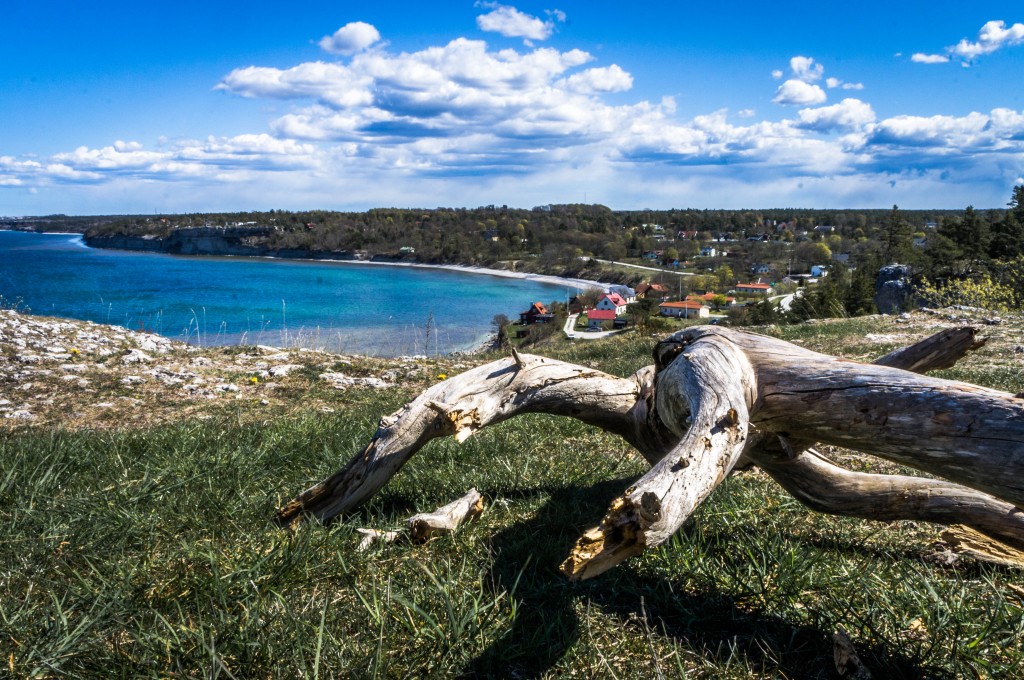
561, 239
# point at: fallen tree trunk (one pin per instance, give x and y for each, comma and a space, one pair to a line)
717, 399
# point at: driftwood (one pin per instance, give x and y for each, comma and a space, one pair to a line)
425, 525
717, 400
446, 519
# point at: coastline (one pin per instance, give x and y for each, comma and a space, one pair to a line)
567, 286
467, 269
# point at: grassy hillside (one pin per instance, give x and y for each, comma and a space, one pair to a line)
148, 550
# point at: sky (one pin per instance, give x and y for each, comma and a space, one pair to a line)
161, 107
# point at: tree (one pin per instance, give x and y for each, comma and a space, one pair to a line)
500, 323
1008, 236
717, 400
897, 238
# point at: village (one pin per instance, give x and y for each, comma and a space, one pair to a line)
594, 314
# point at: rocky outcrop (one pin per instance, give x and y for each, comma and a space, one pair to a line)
892, 288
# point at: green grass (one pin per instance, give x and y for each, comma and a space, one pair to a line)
152, 553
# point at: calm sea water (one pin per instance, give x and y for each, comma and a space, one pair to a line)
343, 307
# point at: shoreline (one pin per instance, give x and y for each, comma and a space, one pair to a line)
564, 282
469, 269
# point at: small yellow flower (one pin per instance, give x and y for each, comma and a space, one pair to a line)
442, 376
254, 380
74, 352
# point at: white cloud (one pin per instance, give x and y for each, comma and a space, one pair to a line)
604, 79
849, 114
806, 69
529, 125
833, 83
921, 58
777, 74
350, 38
511, 23
993, 36
799, 93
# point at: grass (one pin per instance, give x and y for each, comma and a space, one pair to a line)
150, 553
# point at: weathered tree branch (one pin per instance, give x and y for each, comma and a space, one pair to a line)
960, 431
717, 397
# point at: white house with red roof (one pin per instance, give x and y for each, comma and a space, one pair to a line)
613, 302
685, 309
754, 289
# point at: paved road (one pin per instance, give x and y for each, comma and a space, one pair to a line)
570, 331
785, 301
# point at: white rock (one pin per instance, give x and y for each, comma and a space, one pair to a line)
135, 356
283, 370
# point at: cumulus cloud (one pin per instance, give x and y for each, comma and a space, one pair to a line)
350, 38
849, 114
921, 58
511, 23
833, 83
799, 93
806, 69
525, 123
604, 79
993, 36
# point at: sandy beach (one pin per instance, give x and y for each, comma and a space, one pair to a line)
504, 273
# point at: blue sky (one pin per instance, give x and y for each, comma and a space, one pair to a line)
203, 106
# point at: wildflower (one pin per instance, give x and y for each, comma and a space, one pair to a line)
442, 376
254, 380
74, 352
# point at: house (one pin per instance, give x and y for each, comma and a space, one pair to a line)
613, 302
654, 291
824, 229
687, 309
761, 269
625, 292
709, 297
653, 254
819, 271
708, 251
407, 250
596, 317
537, 313
754, 289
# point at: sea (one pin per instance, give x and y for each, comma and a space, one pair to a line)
354, 308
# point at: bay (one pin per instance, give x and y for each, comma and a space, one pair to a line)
344, 307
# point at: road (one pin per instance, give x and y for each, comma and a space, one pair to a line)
570, 331
640, 266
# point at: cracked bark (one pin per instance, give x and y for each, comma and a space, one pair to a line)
717, 399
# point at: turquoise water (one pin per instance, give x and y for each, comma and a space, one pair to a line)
343, 307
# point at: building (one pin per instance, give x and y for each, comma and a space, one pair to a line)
612, 301
708, 251
655, 291
709, 297
687, 309
537, 313
754, 289
596, 317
